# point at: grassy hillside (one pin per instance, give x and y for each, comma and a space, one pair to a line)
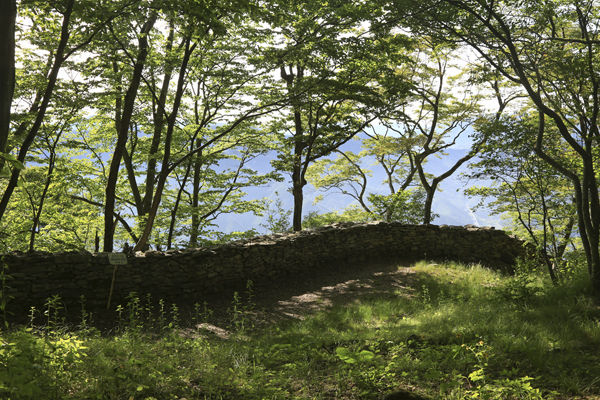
452, 332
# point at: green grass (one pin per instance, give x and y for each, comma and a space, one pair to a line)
463, 332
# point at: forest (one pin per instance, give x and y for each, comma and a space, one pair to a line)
137, 124
137, 121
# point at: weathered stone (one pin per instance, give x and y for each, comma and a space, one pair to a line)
175, 273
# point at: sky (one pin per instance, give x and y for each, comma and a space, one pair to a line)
453, 207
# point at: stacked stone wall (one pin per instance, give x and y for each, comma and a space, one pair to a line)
282, 259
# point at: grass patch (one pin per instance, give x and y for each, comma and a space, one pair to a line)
464, 332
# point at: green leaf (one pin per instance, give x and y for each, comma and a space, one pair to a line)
12, 160
477, 375
365, 355
345, 355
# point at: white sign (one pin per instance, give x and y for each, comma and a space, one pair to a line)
117, 258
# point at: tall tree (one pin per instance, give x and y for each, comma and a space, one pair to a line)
348, 175
536, 199
123, 128
230, 87
442, 107
65, 28
59, 59
328, 70
8, 15
550, 49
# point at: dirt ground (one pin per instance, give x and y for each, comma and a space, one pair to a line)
321, 290
286, 299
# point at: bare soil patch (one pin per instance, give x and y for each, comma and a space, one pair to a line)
297, 298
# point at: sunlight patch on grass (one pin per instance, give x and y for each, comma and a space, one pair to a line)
462, 332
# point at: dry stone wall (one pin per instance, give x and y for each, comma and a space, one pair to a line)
282, 259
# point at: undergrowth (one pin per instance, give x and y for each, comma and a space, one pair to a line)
461, 332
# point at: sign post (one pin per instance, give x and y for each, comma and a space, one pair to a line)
115, 259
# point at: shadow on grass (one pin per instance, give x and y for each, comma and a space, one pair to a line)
434, 325
440, 331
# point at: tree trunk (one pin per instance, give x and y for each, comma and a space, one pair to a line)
544, 247
38, 214
297, 191
111, 184
175, 208
159, 124
164, 171
33, 108
298, 181
195, 228
596, 271
593, 215
41, 112
430, 190
562, 246
8, 13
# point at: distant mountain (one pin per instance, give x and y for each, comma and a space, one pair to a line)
452, 206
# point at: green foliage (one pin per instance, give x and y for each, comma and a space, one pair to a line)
316, 74
482, 387
454, 332
196, 90
344, 174
352, 357
329, 68
405, 206
537, 48
12, 160
53, 308
43, 367
241, 309
277, 216
5, 297
350, 214
537, 202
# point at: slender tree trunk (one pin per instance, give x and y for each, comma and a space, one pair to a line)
592, 221
298, 180
593, 215
562, 246
38, 214
595, 256
195, 228
389, 211
131, 177
164, 172
177, 202
175, 208
41, 112
389, 174
297, 191
111, 184
159, 124
96, 242
33, 108
430, 190
8, 13
126, 157
360, 197
588, 212
544, 246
